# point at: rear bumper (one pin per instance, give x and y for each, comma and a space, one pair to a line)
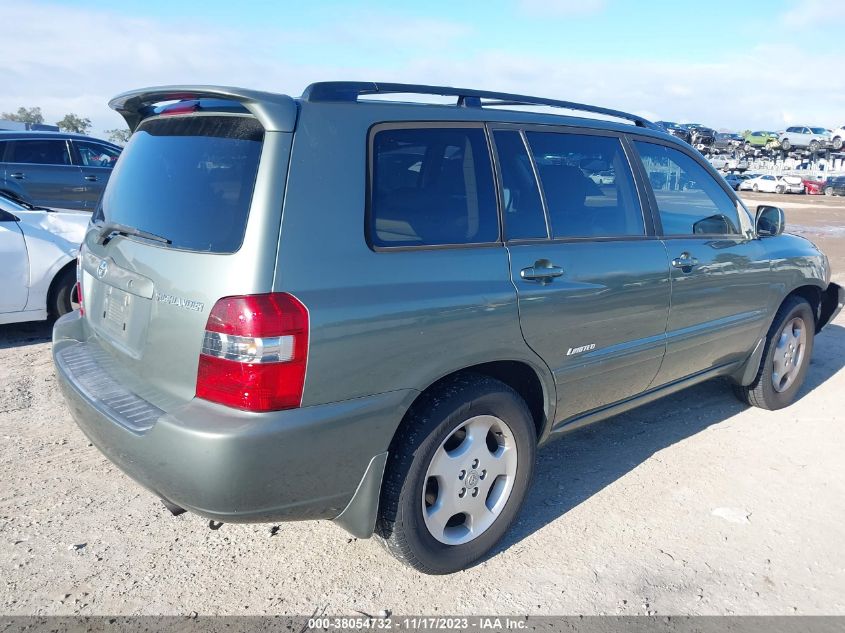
236, 466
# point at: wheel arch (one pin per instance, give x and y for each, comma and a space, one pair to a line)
532, 383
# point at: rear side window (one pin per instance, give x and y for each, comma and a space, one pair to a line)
96, 155
690, 200
40, 152
431, 186
187, 178
588, 185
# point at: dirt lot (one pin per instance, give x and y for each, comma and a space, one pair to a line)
691, 505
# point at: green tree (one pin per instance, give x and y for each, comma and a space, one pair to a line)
119, 135
25, 115
74, 123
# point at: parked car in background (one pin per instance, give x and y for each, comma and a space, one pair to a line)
813, 187
837, 138
735, 180
802, 137
472, 320
726, 162
761, 140
677, 130
55, 169
38, 249
701, 134
727, 141
834, 186
773, 184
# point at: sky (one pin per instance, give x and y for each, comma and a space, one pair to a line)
733, 65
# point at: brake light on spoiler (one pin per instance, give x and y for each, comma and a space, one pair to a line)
254, 352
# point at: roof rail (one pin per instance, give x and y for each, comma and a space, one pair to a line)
351, 90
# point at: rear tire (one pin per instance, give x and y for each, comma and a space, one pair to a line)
755, 188
813, 147
786, 357
828, 191
837, 143
419, 482
60, 301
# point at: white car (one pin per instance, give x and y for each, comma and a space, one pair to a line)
773, 184
38, 249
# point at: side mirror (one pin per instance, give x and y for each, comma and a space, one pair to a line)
770, 221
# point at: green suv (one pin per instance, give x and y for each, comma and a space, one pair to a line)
762, 140
334, 307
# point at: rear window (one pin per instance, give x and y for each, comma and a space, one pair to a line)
432, 186
188, 179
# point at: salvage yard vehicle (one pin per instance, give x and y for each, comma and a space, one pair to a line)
812, 139
55, 169
334, 307
762, 140
837, 138
702, 136
735, 180
677, 130
834, 186
38, 249
768, 183
726, 141
813, 187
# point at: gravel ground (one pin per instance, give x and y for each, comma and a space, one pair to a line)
691, 505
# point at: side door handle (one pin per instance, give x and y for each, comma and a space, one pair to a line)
542, 271
685, 262
91, 178
18, 175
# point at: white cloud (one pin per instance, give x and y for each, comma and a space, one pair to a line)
813, 13
562, 8
74, 60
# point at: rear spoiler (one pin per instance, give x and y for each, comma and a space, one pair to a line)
276, 112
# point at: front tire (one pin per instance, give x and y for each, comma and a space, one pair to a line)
785, 145
459, 469
786, 357
837, 143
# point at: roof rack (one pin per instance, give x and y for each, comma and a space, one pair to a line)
468, 98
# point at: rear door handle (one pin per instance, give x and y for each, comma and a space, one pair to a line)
542, 270
91, 178
18, 175
685, 262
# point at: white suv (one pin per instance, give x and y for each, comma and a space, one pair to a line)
802, 137
838, 137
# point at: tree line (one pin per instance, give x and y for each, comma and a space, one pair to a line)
70, 123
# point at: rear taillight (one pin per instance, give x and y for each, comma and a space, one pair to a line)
79, 285
254, 352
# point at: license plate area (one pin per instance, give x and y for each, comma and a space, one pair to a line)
117, 309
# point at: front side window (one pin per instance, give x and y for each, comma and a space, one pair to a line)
432, 186
587, 184
40, 152
96, 155
689, 199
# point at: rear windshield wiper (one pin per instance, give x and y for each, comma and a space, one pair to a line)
110, 229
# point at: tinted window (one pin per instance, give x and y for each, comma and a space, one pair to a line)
96, 155
40, 152
689, 199
189, 179
524, 216
587, 184
432, 186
